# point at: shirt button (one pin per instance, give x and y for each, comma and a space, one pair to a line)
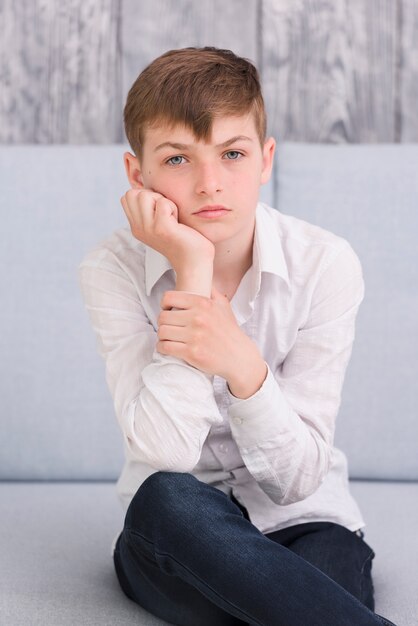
237, 420
223, 447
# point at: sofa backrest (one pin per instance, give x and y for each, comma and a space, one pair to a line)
58, 201
368, 193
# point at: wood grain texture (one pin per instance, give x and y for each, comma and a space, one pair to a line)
408, 79
329, 69
151, 28
332, 70
59, 71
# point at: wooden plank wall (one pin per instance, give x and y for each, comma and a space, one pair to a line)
332, 70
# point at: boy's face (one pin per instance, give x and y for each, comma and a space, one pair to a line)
226, 171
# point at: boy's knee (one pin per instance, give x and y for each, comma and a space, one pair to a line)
158, 495
166, 483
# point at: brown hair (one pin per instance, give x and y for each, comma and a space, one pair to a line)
192, 86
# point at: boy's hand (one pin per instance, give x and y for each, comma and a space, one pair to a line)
205, 333
153, 219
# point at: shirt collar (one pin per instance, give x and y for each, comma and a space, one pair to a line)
268, 254
156, 264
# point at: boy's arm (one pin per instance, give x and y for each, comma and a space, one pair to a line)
153, 219
285, 428
165, 407
285, 431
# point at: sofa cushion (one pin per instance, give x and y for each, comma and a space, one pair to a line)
369, 195
390, 510
57, 566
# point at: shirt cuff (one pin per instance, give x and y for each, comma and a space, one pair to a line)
263, 416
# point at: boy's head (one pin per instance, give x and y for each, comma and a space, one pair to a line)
192, 87
195, 120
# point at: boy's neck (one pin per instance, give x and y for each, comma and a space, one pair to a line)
233, 258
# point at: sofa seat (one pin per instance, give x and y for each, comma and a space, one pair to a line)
57, 569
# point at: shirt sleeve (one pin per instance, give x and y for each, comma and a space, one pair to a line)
285, 431
164, 406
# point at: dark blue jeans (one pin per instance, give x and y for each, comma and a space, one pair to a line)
189, 555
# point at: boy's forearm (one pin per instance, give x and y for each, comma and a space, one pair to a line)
196, 279
244, 384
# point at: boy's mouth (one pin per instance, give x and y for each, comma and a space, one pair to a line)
211, 209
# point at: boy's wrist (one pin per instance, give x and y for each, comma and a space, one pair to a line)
196, 278
247, 387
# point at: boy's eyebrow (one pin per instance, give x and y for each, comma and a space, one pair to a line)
183, 146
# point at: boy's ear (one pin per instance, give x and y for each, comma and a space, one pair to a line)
133, 170
268, 157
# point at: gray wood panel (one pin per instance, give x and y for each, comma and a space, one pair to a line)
329, 69
151, 28
59, 71
332, 70
408, 89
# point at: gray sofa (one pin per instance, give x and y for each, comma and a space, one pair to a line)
61, 450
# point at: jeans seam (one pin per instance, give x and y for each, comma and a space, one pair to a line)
162, 554
246, 616
369, 558
120, 572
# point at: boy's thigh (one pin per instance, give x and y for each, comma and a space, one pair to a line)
165, 596
179, 499
338, 552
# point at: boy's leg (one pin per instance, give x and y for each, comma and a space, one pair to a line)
339, 553
193, 533
165, 595
143, 581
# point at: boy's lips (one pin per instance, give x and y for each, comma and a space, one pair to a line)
213, 207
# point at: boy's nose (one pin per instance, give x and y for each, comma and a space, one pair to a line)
208, 180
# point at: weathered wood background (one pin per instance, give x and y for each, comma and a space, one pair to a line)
332, 70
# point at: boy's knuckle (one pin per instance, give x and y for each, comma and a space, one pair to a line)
200, 351
197, 336
131, 194
136, 231
165, 300
159, 231
195, 352
159, 227
204, 321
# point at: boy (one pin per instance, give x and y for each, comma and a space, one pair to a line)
226, 328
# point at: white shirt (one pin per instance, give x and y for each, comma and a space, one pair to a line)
273, 450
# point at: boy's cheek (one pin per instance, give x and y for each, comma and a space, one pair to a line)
158, 187
165, 188
183, 216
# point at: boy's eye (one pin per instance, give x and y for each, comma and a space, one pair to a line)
173, 160
233, 155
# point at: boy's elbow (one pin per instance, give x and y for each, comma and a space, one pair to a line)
180, 467
302, 486
297, 495
161, 464
292, 494
310, 474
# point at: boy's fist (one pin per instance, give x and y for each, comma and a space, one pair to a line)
153, 219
